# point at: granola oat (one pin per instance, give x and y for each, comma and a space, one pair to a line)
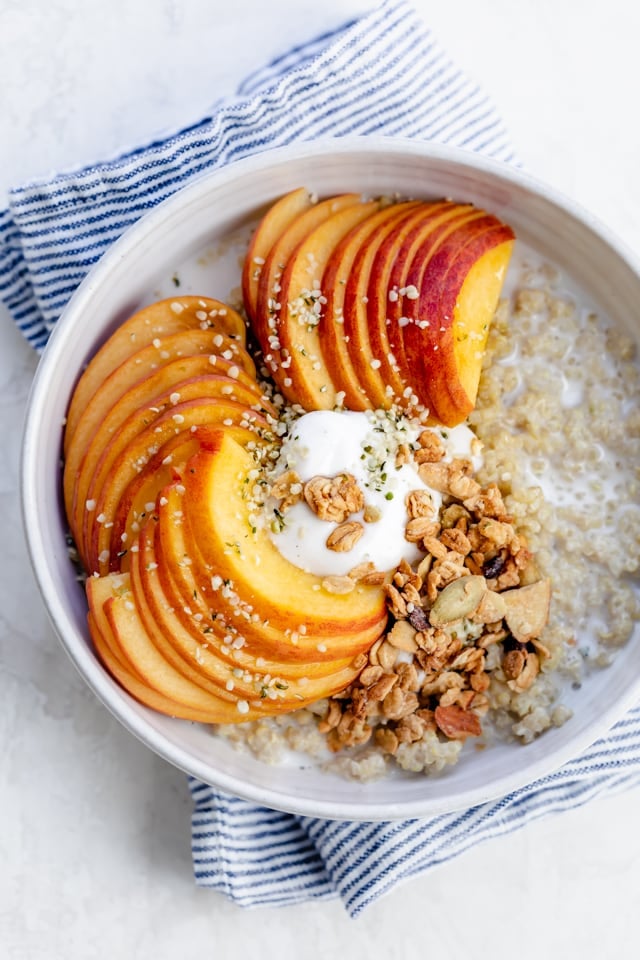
345, 536
419, 503
334, 498
288, 489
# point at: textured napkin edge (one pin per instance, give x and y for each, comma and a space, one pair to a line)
254, 855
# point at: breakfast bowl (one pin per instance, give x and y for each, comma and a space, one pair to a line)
557, 406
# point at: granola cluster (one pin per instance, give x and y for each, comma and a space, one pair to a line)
333, 499
472, 607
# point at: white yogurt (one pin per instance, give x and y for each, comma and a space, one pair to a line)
328, 443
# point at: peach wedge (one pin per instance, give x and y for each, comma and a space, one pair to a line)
380, 303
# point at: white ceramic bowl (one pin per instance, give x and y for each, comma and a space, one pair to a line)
133, 271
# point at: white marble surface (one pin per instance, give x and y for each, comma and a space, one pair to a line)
94, 829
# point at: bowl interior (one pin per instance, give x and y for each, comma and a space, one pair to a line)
134, 271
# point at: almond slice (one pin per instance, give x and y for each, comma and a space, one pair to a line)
403, 636
491, 609
527, 609
456, 723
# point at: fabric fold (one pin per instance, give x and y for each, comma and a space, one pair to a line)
254, 855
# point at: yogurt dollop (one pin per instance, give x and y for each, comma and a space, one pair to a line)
330, 443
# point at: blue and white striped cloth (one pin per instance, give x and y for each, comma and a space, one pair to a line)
258, 856
383, 73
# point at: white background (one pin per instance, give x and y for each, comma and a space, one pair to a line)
94, 829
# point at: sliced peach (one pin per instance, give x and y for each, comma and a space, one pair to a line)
99, 590
194, 654
126, 586
243, 552
94, 533
165, 380
131, 680
474, 310
160, 675
347, 361
270, 297
160, 470
221, 350
303, 375
184, 573
403, 292
435, 347
366, 301
119, 428
268, 232
191, 671
154, 425
155, 322
125, 421
169, 619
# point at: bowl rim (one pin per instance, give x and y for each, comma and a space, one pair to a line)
80, 653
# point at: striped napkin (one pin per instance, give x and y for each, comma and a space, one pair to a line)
383, 74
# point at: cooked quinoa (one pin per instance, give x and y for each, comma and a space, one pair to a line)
558, 419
